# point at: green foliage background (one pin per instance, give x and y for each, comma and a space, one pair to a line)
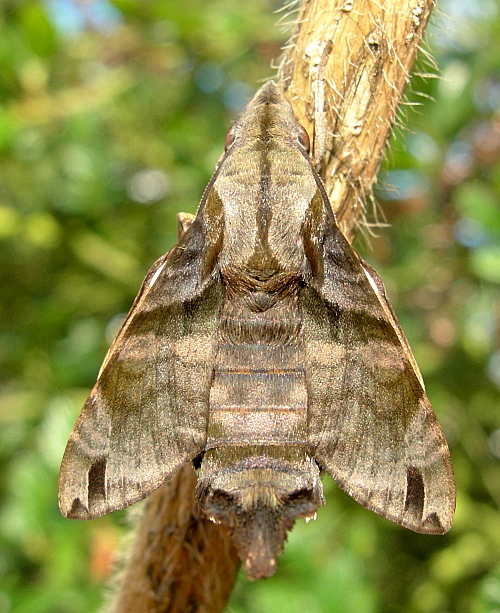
113, 113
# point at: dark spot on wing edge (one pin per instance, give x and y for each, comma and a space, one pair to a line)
415, 494
78, 510
97, 483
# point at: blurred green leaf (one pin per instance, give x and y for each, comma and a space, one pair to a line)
37, 29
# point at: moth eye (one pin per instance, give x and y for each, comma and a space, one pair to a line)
303, 139
229, 140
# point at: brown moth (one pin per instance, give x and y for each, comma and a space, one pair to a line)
264, 350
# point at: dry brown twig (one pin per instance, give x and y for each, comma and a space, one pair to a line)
344, 70
179, 561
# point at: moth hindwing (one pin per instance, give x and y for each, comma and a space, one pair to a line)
263, 347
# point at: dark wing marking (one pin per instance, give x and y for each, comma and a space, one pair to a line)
147, 414
371, 426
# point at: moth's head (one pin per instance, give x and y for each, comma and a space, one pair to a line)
268, 120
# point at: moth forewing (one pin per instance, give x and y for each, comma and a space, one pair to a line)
425, 443
147, 413
371, 424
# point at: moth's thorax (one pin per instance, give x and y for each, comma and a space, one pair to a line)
265, 188
258, 391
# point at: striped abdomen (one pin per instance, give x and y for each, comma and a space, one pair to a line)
258, 394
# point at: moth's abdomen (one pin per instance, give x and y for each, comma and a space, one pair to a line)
257, 407
258, 394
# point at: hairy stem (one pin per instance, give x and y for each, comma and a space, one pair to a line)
345, 70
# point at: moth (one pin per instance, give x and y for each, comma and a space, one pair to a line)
262, 349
